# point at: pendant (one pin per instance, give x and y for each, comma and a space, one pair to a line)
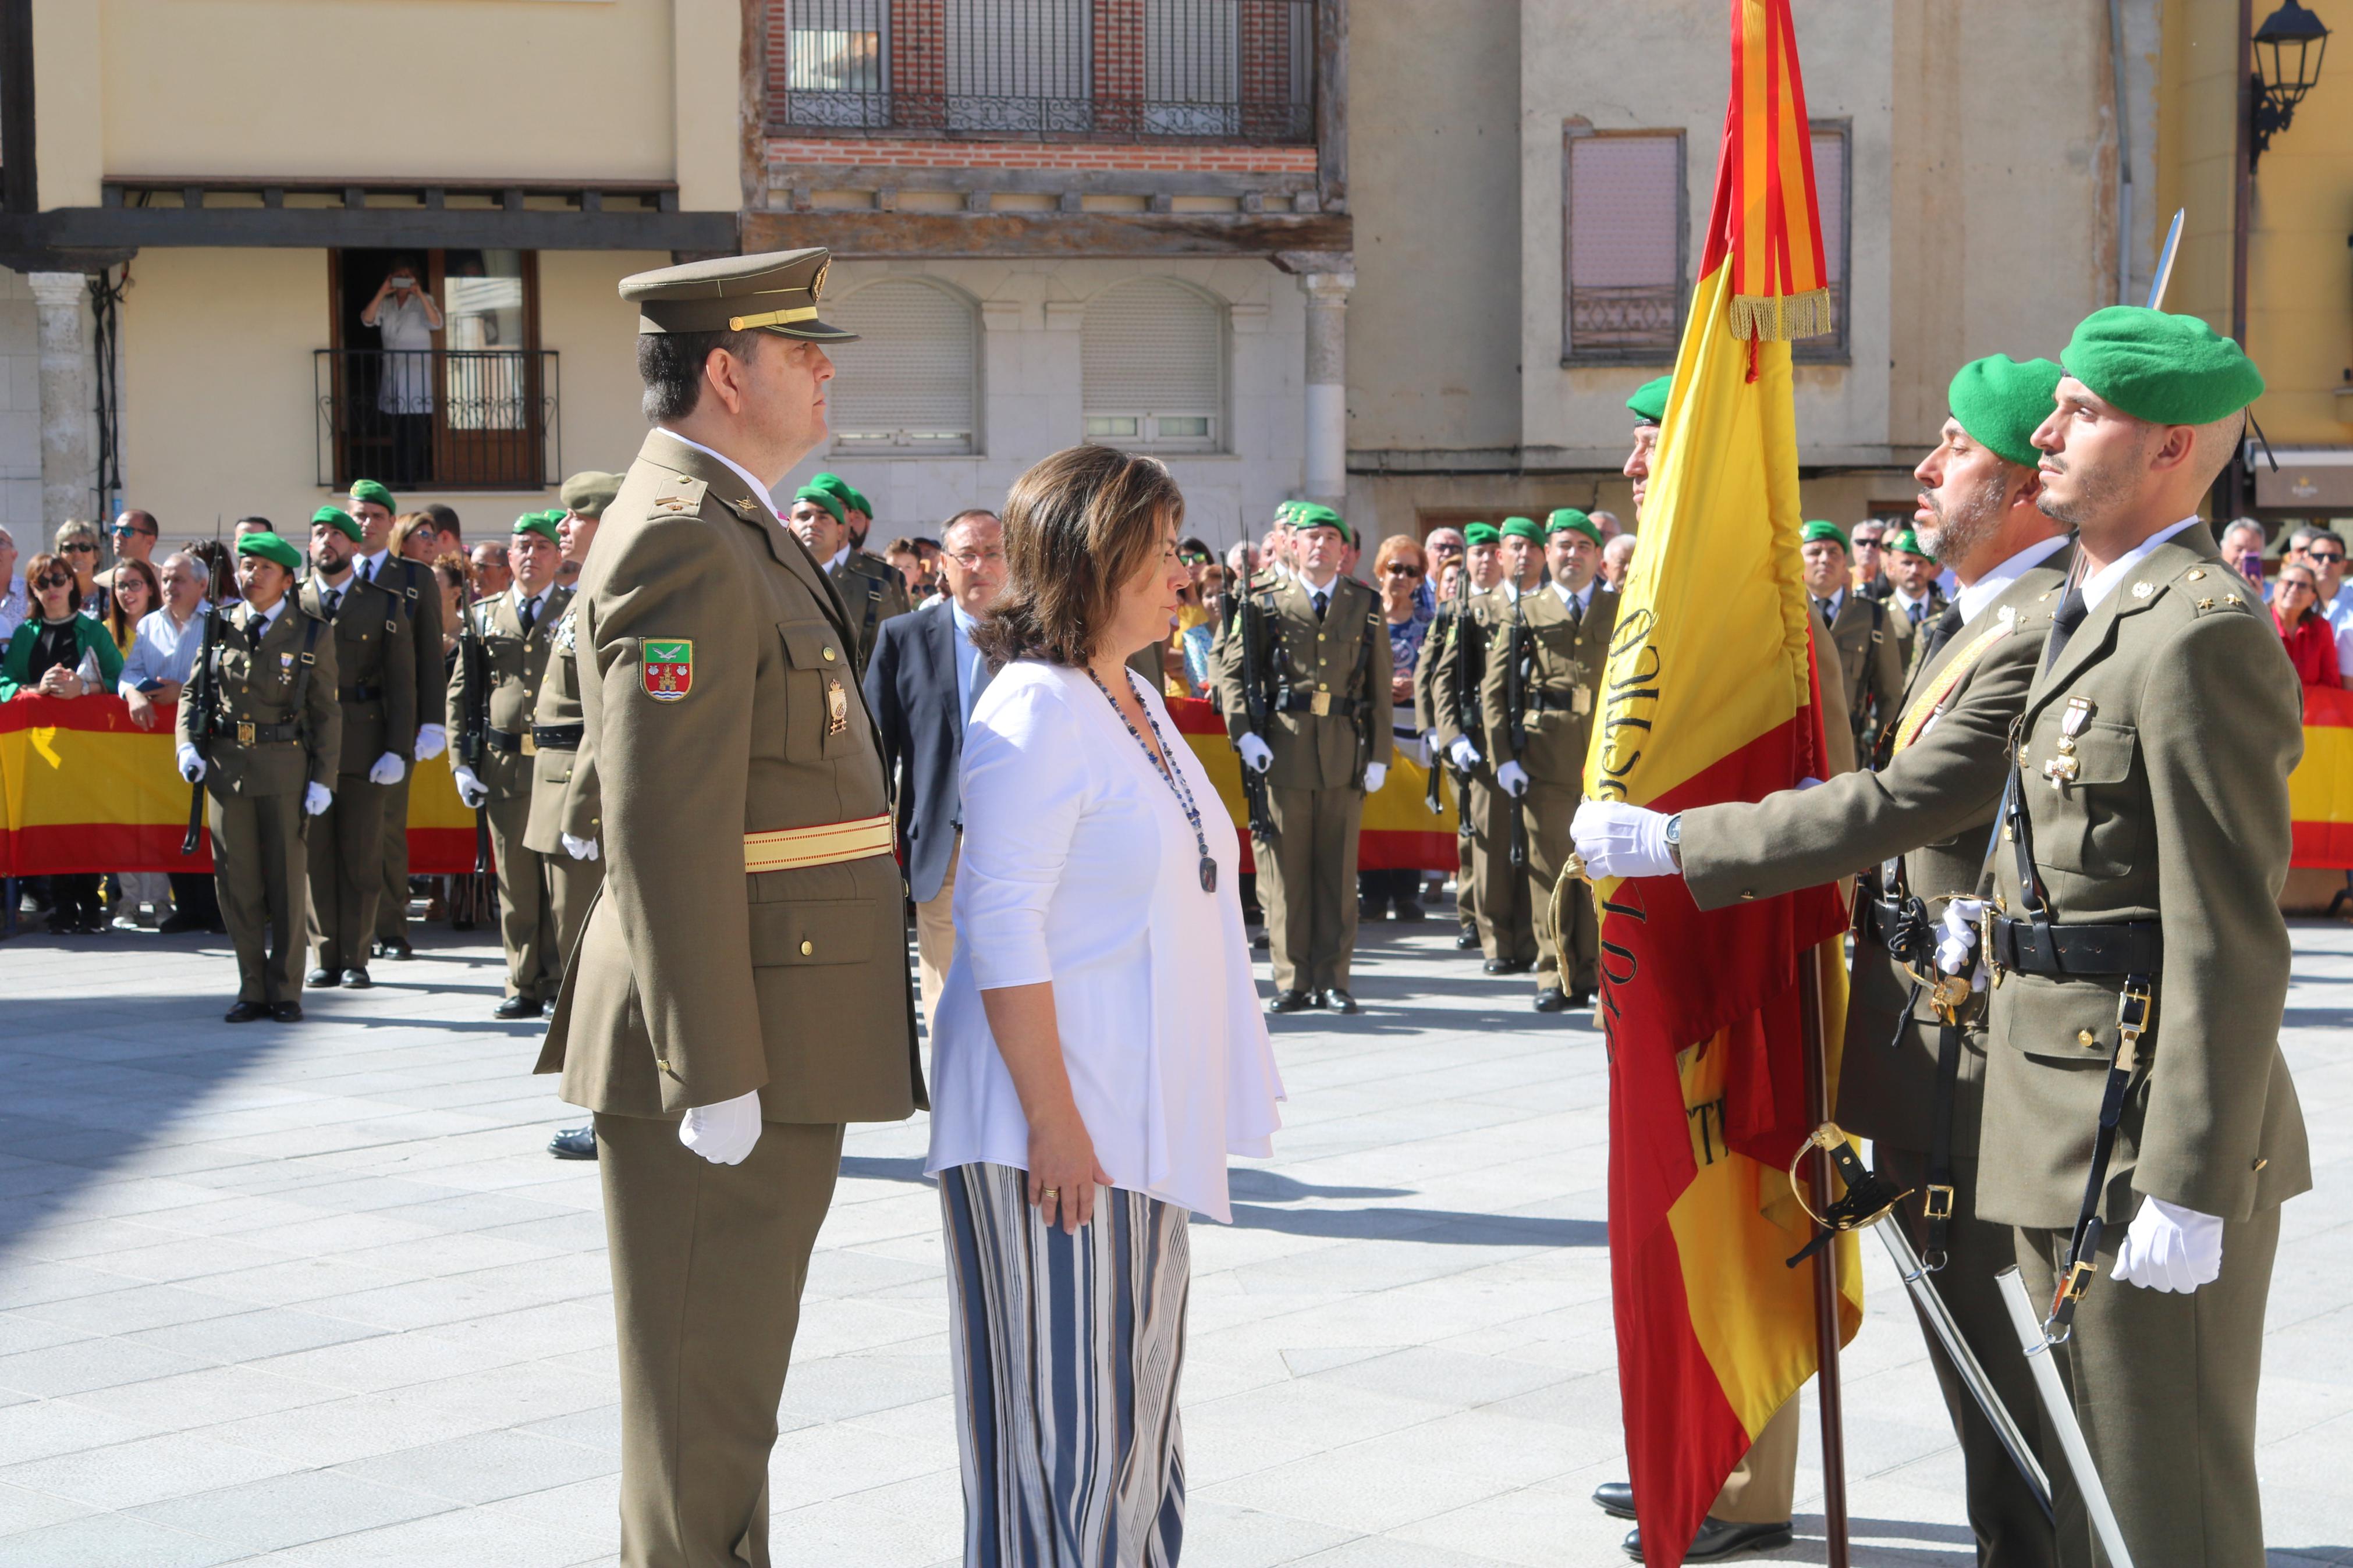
1208, 874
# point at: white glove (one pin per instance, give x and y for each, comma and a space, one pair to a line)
1959, 938
431, 739
1373, 774
724, 1133
1514, 778
316, 798
1620, 840
579, 849
2170, 1248
471, 791
192, 766
1464, 755
1257, 755
387, 770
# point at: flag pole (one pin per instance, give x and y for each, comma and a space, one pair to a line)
1826, 1289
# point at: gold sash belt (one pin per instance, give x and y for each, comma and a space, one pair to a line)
828, 843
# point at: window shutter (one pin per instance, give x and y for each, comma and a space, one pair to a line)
1153, 357
909, 383
1625, 246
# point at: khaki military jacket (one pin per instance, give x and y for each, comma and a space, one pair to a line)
1339, 664
871, 592
1461, 667
562, 778
1933, 805
418, 593
1562, 684
516, 662
2172, 718
258, 686
1872, 655
376, 673
697, 980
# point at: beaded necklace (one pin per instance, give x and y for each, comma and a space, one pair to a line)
1166, 768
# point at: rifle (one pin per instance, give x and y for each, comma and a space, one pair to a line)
1519, 652
1254, 796
1360, 706
1466, 704
474, 669
203, 691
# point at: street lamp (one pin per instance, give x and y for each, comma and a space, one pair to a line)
2289, 48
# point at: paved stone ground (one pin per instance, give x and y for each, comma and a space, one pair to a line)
314, 1296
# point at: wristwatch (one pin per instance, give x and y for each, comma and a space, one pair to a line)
1676, 839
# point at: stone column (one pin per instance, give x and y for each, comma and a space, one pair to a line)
69, 394
1325, 469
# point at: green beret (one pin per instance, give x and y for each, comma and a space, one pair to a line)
540, 522
1523, 528
1909, 544
857, 503
2167, 370
2001, 402
820, 495
1482, 534
269, 547
833, 484
1650, 400
1820, 529
1569, 519
589, 492
1284, 509
369, 491
340, 517
1307, 514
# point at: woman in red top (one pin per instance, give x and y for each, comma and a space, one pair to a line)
2311, 641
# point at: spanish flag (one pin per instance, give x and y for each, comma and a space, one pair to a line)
1710, 696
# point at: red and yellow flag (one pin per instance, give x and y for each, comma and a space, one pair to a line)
1710, 696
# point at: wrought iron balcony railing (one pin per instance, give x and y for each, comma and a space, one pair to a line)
452, 420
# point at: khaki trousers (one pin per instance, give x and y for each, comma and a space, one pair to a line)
707, 1265
1466, 883
1506, 919
346, 866
2164, 1386
258, 870
571, 886
1765, 1483
392, 904
526, 913
935, 937
1311, 898
1566, 957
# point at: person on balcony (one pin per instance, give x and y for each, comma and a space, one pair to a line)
404, 314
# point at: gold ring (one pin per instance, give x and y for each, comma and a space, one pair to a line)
1045, 1193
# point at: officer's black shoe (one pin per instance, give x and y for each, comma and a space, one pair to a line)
1372, 908
1291, 1002
1552, 999
1467, 939
246, 1013
396, 947
516, 1007
176, 922
547, 1008
1339, 1001
287, 1012
1262, 941
1718, 1540
322, 980
357, 979
1615, 1498
575, 1143
1411, 909
1580, 998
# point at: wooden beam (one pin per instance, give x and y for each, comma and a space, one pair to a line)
119, 229
1043, 182
19, 184
1332, 103
1003, 234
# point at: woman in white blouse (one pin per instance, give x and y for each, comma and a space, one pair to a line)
1099, 1050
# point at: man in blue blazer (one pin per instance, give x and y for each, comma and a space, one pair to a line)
921, 684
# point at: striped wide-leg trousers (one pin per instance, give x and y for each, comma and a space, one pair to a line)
1066, 1352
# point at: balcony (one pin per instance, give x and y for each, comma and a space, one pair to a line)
441, 418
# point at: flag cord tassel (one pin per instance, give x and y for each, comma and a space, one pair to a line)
1781, 318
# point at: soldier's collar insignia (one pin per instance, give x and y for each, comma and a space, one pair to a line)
2142, 590
747, 509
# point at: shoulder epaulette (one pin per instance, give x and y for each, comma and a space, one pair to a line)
681, 495
2211, 589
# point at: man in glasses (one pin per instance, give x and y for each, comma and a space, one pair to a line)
134, 536
2323, 552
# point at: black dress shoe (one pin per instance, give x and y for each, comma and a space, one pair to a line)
575, 1143
516, 1007
1291, 1002
1339, 1001
1467, 939
1580, 998
1615, 1498
246, 1013
1552, 999
357, 979
1372, 908
322, 980
174, 924
1717, 1540
287, 1012
1261, 942
395, 947
1411, 909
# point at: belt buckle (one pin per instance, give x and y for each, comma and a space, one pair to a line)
530, 743
245, 731
2133, 1005
1937, 1201
1984, 942
1320, 704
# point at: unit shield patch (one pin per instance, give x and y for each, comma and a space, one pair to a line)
668, 669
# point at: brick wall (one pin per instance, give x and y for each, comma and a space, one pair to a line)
905, 153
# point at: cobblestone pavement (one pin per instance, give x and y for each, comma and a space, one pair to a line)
315, 1295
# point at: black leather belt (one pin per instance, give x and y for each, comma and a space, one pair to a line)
558, 737
361, 693
511, 741
2130, 947
249, 734
1553, 701
1317, 702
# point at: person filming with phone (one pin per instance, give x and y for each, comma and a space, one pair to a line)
404, 313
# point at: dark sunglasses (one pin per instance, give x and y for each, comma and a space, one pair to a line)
79, 547
54, 580
122, 528
1402, 569
2317, 559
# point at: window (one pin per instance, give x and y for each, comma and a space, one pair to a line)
1019, 65
833, 63
1189, 65
1625, 242
1831, 189
910, 384
1153, 352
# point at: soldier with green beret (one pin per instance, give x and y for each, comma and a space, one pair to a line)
870, 587
2141, 959
1502, 568
740, 989
1915, 596
262, 733
1648, 403
1862, 643
376, 690
1319, 644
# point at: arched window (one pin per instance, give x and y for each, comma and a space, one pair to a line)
911, 383
1154, 353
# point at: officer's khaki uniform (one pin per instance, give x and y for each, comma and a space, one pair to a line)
1913, 637
515, 661
1425, 719
1871, 649
375, 688
701, 976
1565, 650
269, 744
1933, 805
419, 593
562, 789
1507, 930
1339, 664
2170, 721
871, 593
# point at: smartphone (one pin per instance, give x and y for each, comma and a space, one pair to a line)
2251, 565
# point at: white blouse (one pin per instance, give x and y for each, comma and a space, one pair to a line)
1079, 868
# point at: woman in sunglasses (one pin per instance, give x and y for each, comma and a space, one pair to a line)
78, 545
42, 660
1399, 572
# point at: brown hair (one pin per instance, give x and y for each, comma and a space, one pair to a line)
121, 628
38, 567
407, 526
1077, 526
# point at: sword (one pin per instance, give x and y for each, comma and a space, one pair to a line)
2165, 260
2061, 1412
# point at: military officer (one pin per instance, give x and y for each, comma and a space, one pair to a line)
1440, 711
870, 588
1538, 695
412, 583
1915, 597
375, 688
518, 633
857, 513
264, 741
740, 989
2140, 959
1867, 634
1323, 650
1910, 1079
1507, 932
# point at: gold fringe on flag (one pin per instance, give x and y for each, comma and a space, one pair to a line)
1781, 318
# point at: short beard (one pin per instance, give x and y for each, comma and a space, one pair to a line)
1959, 532
2100, 489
